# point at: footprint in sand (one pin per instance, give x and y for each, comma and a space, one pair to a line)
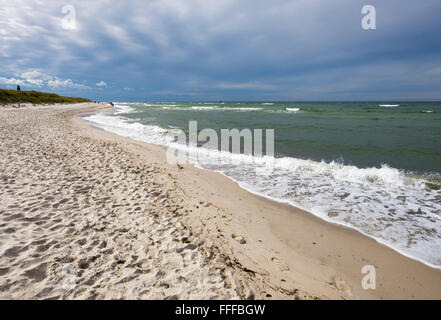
3, 271
13, 252
37, 274
341, 285
282, 266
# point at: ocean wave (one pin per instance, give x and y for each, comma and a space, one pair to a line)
120, 108
227, 108
204, 108
389, 105
293, 109
211, 108
129, 128
242, 109
173, 108
385, 203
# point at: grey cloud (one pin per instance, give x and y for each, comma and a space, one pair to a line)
235, 49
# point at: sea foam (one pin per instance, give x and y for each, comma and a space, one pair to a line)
385, 203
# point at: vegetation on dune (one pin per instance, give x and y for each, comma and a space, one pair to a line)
35, 97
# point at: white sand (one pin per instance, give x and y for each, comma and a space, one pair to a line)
70, 200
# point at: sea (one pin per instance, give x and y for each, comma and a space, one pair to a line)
371, 166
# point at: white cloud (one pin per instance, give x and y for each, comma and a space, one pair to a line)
67, 83
101, 84
36, 78
35, 83
10, 81
35, 75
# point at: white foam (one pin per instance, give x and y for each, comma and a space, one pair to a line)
389, 105
127, 128
427, 111
293, 109
203, 108
211, 108
120, 108
241, 109
174, 108
384, 203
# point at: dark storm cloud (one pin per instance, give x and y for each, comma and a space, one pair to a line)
248, 50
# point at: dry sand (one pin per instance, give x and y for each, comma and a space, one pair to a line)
108, 215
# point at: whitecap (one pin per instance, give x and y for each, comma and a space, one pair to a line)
203, 108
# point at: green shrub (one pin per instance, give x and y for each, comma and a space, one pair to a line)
34, 97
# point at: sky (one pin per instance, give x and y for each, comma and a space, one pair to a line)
231, 50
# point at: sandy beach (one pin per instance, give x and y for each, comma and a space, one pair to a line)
87, 214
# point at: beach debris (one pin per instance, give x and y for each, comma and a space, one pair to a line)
204, 204
239, 239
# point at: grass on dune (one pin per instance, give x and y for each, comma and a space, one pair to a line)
35, 97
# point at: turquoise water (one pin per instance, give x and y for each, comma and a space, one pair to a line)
372, 166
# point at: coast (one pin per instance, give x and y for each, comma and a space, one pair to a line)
110, 215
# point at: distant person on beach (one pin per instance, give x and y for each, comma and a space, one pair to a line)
18, 88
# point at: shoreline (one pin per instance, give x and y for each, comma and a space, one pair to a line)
295, 206
261, 249
345, 231
344, 226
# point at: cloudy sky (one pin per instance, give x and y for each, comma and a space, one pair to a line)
222, 49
